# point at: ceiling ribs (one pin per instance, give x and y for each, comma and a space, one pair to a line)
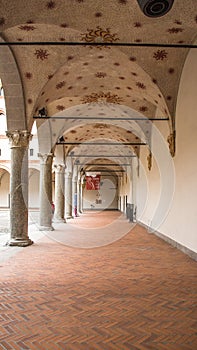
101, 118
100, 156
103, 143
65, 43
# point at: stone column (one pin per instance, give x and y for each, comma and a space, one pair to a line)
59, 193
74, 195
45, 220
68, 195
80, 196
19, 142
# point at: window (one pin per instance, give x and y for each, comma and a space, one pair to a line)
31, 152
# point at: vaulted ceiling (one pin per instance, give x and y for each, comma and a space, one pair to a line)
101, 81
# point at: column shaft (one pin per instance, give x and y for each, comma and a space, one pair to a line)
80, 196
45, 219
59, 194
68, 195
74, 196
19, 141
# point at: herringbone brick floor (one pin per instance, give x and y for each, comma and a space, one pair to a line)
136, 293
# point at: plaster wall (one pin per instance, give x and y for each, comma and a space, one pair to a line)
171, 185
108, 195
5, 149
125, 191
34, 146
34, 180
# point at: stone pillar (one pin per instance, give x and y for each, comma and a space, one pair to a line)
80, 196
74, 195
45, 220
59, 193
68, 195
19, 142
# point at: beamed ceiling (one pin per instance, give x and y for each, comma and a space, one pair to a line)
98, 78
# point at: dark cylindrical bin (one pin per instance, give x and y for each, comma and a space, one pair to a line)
130, 211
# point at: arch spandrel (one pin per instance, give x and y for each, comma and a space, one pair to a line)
13, 90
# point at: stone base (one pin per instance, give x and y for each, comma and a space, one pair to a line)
69, 217
185, 250
59, 220
46, 228
21, 242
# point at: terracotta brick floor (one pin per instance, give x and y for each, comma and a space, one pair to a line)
136, 293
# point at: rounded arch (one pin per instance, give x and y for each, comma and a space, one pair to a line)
128, 83
50, 130
34, 185
13, 89
4, 187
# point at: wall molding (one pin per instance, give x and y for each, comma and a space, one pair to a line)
185, 250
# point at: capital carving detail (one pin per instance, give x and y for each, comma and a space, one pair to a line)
149, 159
19, 138
172, 143
59, 168
45, 157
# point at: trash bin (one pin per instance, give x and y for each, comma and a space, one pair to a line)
129, 211
131, 216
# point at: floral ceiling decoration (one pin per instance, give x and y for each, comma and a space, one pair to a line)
99, 35
102, 98
73, 79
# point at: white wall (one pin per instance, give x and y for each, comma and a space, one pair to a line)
171, 206
108, 195
33, 145
5, 149
125, 190
34, 176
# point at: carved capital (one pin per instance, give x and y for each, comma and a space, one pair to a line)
59, 168
19, 138
149, 159
172, 143
45, 158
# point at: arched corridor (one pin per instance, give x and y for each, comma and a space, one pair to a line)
98, 174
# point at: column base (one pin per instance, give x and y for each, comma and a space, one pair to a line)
59, 220
70, 217
46, 228
20, 242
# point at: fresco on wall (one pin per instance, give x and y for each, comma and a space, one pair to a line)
93, 182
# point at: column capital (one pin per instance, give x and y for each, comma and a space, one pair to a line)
59, 168
45, 157
172, 143
19, 138
149, 160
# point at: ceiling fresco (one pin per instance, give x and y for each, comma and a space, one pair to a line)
73, 63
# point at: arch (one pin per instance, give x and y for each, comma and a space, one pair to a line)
13, 90
4, 187
50, 130
34, 185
